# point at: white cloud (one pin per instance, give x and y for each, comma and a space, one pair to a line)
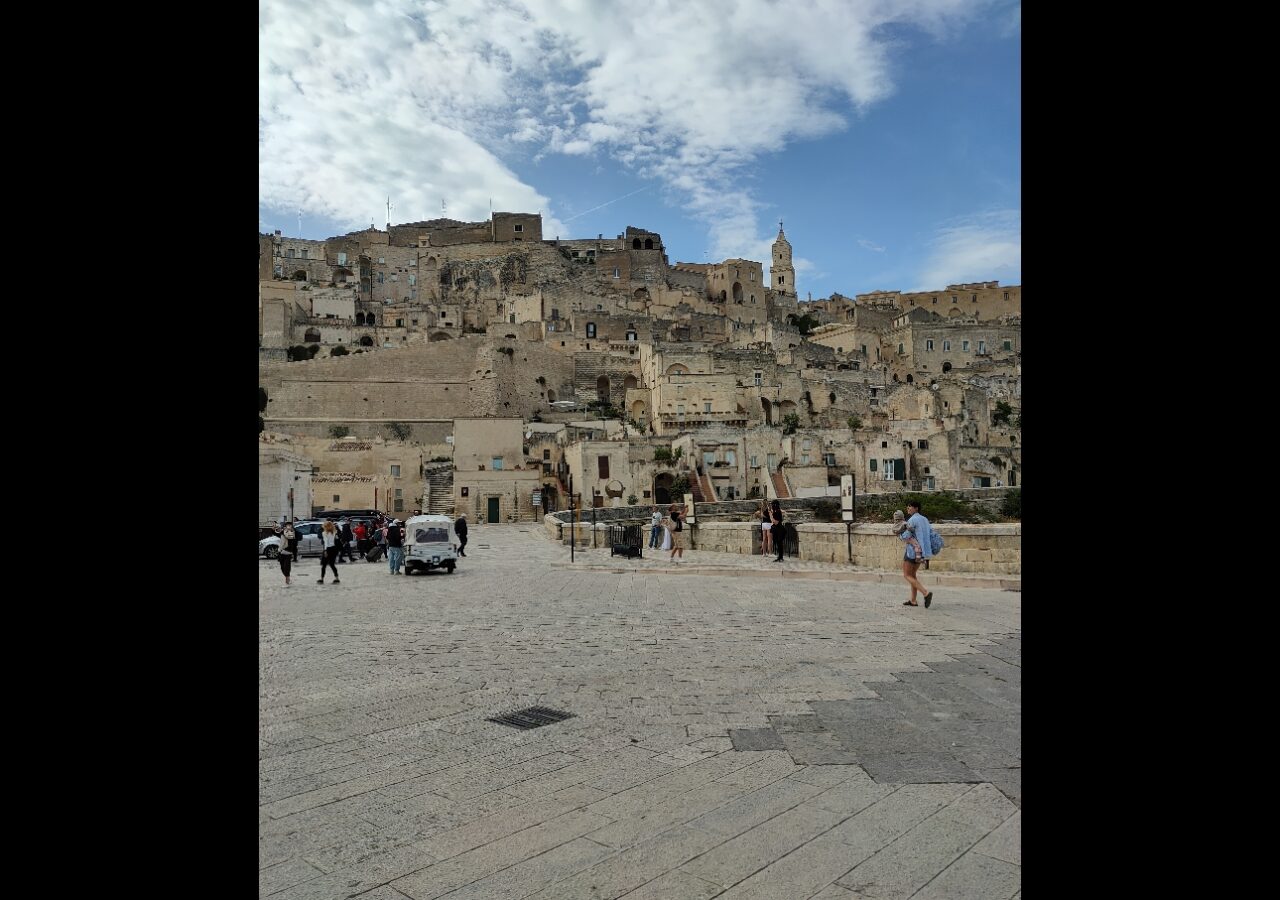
424, 99
984, 247
869, 245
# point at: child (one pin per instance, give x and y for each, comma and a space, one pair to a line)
902, 531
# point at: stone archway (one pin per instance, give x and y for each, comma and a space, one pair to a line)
440, 336
312, 336
366, 341
551, 396
737, 292
629, 383
662, 489
946, 367
768, 410
602, 388
637, 410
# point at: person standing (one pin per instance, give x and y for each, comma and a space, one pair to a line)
766, 524
291, 538
347, 538
918, 527
362, 538
460, 528
655, 533
395, 547
330, 537
677, 533
776, 530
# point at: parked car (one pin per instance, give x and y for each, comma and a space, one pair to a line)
309, 540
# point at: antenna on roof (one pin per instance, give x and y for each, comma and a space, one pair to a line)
388, 214
299, 223
443, 208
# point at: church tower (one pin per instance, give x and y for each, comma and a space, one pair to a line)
781, 275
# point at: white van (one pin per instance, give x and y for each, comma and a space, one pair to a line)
430, 543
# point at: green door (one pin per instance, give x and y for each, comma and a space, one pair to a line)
493, 510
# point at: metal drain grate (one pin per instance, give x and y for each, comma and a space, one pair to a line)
531, 717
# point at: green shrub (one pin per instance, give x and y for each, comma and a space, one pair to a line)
632, 500
790, 422
854, 423
338, 351
1002, 413
339, 431
1011, 508
399, 430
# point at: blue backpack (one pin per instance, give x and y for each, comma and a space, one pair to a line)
935, 542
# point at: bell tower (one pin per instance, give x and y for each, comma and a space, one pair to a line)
782, 275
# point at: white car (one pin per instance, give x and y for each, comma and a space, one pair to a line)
430, 543
309, 541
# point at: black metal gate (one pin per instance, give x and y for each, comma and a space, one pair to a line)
626, 540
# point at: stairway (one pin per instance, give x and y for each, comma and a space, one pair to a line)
780, 485
439, 478
696, 488
708, 488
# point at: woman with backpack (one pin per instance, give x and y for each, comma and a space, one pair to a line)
919, 527
675, 528
330, 537
288, 540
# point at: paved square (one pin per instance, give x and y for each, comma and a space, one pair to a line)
879, 749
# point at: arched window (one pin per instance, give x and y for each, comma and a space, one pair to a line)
737, 292
630, 383
591, 329
635, 245
648, 244
602, 388
946, 367
359, 318
312, 336
366, 341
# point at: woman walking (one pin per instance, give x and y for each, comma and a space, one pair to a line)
288, 539
330, 537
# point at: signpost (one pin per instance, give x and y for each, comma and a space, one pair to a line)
846, 510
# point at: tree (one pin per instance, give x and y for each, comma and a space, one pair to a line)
679, 486
339, 431
790, 422
1003, 412
806, 323
854, 423
297, 352
338, 351
632, 500
399, 430
312, 351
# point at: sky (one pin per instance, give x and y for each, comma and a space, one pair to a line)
884, 134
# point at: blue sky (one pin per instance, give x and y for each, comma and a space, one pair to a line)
885, 133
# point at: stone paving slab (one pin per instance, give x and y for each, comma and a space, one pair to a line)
380, 777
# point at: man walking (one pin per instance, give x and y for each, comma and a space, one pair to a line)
655, 535
347, 539
395, 547
460, 528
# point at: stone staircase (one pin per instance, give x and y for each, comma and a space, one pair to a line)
781, 490
439, 479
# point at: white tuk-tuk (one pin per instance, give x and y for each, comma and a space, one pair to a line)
430, 543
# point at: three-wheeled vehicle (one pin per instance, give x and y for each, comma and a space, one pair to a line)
430, 543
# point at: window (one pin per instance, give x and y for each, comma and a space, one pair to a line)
928, 345
336, 498
706, 406
900, 348
755, 461
953, 300
413, 321
946, 346
555, 314
759, 379
342, 259
575, 254
708, 459
935, 299
399, 492
964, 345
602, 465
591, 329
884, 445
924, 445
382, 260
753, 298
395, 277
519, 229
808, 444
380, 278
679, 409
864, 349
599, 306
496, 463
615, 271
982, 346
304, 252
930, 484
399, 505
772, 461
546, 454
781, 279
731, 457
1006, 295
751, 276
413, 279
981, 481
804, 459
288, 254
592, 254
546, 468
829, 459
395, 471
873, 391
399, 323
975, 298
873, 465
